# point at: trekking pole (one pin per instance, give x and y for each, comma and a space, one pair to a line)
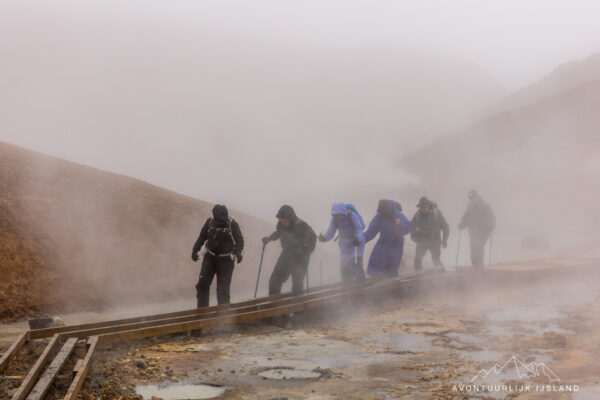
259, 268
458, 249
307, 279
321, 273
490, 255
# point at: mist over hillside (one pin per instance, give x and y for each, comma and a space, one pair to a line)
78, 238
217, 115
538, 163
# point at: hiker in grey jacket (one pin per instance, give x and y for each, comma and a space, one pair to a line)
430, 232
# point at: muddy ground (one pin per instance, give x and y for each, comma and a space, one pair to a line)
426, 345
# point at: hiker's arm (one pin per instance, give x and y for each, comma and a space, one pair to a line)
445, 228
331, 230
239, 238
358, 232
404, 226
373, 229
202, 237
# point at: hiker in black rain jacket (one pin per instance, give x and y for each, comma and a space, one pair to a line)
224, 244
298, 241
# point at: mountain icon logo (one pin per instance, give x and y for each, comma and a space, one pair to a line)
530, 370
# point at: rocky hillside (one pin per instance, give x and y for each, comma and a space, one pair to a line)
74, 237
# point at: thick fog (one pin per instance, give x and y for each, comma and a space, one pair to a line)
260, 103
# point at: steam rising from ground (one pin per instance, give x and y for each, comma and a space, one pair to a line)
191, 99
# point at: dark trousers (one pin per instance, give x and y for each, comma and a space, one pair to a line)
478, 250
352, 271
289, 264
434, 247
211, 266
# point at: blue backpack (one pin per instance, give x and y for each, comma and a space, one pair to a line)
352, 208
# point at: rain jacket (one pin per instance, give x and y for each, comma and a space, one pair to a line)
387, 253
297, 239
348, 229
479, 219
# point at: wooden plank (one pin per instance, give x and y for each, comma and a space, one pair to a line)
226, 312
75, 387
36, 370
48, 332
300, 304
12, 351
78, 366
41, 388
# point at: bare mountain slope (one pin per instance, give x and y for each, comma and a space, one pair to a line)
74, 237
563, 78
538, 164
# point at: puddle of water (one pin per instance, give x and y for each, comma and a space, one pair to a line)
289, 373
409, 342
484, 355
466, 338
536, 313
538, 329
311, 352
499, 331
179, 391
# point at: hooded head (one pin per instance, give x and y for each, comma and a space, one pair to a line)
286, 213
398, 206
220, 213
386, 207
473, 195
339, 209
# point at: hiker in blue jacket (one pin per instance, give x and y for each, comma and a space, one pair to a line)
391, 225
351, 241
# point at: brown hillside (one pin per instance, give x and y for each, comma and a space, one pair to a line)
74, 237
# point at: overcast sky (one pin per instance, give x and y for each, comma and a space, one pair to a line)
516, 41
92, 81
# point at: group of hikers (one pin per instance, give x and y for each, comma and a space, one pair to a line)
224, 243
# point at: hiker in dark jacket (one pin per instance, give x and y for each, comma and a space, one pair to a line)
224, 244
298, 241
481, 222
430, 232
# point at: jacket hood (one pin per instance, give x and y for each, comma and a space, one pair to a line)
398, 205
339, 209
220, 213
286, 212
386, 207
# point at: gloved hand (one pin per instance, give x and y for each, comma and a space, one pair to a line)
356, 240
265, 240
444, 244
322, 238
195, 256
239, 257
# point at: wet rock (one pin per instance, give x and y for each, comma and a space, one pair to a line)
41, 323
